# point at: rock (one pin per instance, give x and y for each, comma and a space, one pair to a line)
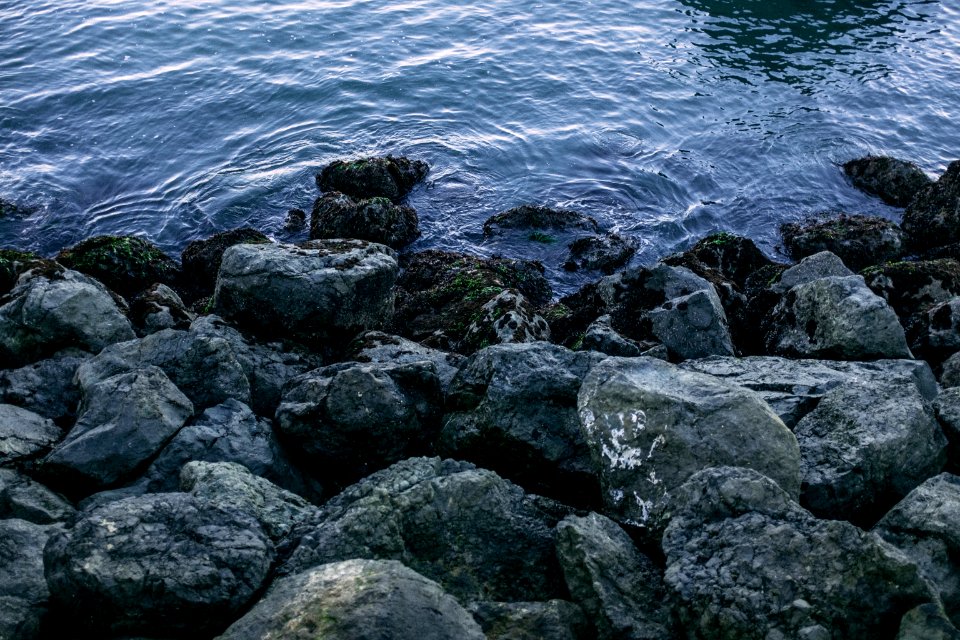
13, 209
551, 620
860, 241
600, 336
23, 589
745, 562
159, 307
513, 409
309, 293
933, 217
927, 622
835, 317
231, 486
950, 376
620, 589
605, 253
125, 264
351, 419
13, 263
124, 421
164, 564
693, 326
376, 346
730, 256
385, 177
201, 259
357, 600
54, 309
896, 182
45, 387
814, 267
935, 333
21, 497
947, 409
911, 288
296, 220
527, 217
793, 388
477, 535
507, 318
651, 425
336, 215
24, 435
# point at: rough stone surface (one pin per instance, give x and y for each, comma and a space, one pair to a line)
937, 333
23, 589
513, 409
605, 253
895, 181
159, 307
377, 177
336, 215
24, 435
477, 535
507, 318
125, 264
529, 217
927, 622
651, 425
950, 372
911, 288
859, 241
551, 620
745, 562
693, 326
819, 265
356, 600
933, 217
13, 263
620, 589
730, 256
376, 346
46, 387
201, 259
600, 336
23, 498
947, 409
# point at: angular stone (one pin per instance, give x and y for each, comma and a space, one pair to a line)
377, 177
159, 307
605, 253
933, 217
23, 589
376, 346
46, 387
693, 326
813, 267
23, 498
201, 259
895, 181
551, 620
927, 622
24, 435
859, 241
508, 317
336, 215
125, 264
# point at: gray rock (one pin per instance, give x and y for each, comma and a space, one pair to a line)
620, 589
925, 526
356, 600
160, 564
600, 336
350, 419
651, 425
124, 421
819, 265
310, 292
159, 307
50, 310
931, 219
232, 486
950, 376
693, 326
947, 409
46, 387
507, 317
551, 620
23, 498
23, 589
836, 317
745, 562
479, 536
939, 329
654, 286
513, 409
336, 215
859, 241
927, 622
604, 253
895, 181
376, 346
866, 446
24, 435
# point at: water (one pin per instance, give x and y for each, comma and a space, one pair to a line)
664, 119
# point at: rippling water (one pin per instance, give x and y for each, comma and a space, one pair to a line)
664, 119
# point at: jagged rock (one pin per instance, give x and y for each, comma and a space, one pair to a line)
927, 622
357, 600
376, 346
159, 307
866, 446
46, 387
336, 215
600, 336
296, 220
23, 589
950, 372
513, 409
620, 589
933, 217
309, 293
527, 217
124, 421
935, 334
24, 435
479, 536
14, 262
201, 259
551, 620
745, 562
859, 241
911, 288
730, 256
947, 409
651, 425
507, 318
350, 419
163, 564
693, 326
814, 267
386, 177
896, 182
605, 253
23, 498
53, 309
125, 264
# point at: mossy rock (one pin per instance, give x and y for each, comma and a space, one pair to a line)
933, 217
13, 263
534, 217
600, 253
730, 256
894, 181
201, 259
336, 215
860, 241
125, 264
376, 177
911, 288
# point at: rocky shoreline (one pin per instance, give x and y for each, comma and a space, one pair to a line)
340, 439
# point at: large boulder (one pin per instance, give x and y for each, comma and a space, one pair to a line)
46, 387
377, 346
933, 217
896, 182
927, 622
551, 620
24, 435
311, 293
356, 600
126, 264
813, 267
166, 564
14, 262
651, 425
476, 534
605, 253
936, 334
52, 309
529, 217
336, 215
378, 177
692, 326
746, 562
506, 318
860, 241
513, 409
23, 589
911, 288
201, 259
159, 307
23, 498
732, 257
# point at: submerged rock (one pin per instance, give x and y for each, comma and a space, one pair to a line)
336, 215
933, 217
126, 264
527, 217
605, 253
860, 241
384, 177
201, 259
896, 182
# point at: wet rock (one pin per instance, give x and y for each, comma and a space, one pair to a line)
860, 241
479, 536
50, 310
296, 220
23, 498
950, 372
620, 589
357, 600
600, 336
730, 256
744, 561
348, 420
933, 217
125, 264
692, 326
506, 319
384, 177
651, 425
513, 409
528, 217
124, 421
159, 307
911, 288
551, 620
935, 333
927, 622
13, 263
896, 182
605, 253
376, 346
309, 293
336, 215
13, 209
947, 409
164, 564
23, 589
814, 267
24, 435
201, 259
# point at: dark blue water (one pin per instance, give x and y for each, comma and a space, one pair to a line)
664, 119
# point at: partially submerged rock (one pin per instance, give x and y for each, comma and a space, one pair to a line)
125, 264
527, 217
933, 217
201, 259
605, 253
336, 215
860, 241
379, 177
896, 182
